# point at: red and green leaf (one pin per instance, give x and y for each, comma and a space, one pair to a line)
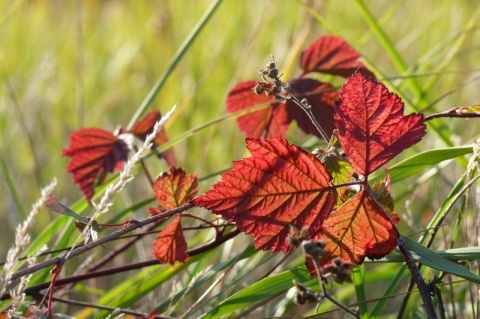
371, 125
278, 186
92, 151
331, 55
175, 188
358, 229
170, 245
144, 126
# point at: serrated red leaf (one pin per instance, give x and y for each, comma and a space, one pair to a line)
278, 186
321, 97
358, 229
144, 126
269, 122
93, 150
175, 188
371, 125
170, 245
331, 55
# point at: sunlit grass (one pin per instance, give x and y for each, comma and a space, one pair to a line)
73, 64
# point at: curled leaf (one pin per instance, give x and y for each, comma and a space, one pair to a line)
92, 151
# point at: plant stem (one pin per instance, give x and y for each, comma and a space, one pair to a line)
421, 285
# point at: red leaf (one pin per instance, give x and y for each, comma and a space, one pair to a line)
144, 126
93, 150
331, 55
358, 229
269, 122
170, 245
321, 97
280, 185
175, 188
371, 125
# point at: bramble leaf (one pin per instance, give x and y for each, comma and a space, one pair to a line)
278, 186
331, 55
170, 245
92, 151
269, 122
144, 126
321, 97
358, 229
175, 188
371, 125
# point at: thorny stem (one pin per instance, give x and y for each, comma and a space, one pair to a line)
326, 295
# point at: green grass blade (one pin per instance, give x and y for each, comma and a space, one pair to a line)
358, 279
13, 189
258, 291
204, 278
433, 260
176, 59
419, 162
127, 293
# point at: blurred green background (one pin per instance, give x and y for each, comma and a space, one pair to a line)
65, 65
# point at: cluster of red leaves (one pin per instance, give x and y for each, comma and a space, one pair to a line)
94, 151
282, 185
330, 55
172, 190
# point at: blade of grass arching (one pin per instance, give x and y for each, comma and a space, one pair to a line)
330, 28
13, 189
453, 254
358, 279
175, 60
419, 162
458, 189
260, 290
429, 258
127, 293
191, 132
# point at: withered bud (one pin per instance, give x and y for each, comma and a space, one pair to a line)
297, 236
341, 271
313, 248
304, 295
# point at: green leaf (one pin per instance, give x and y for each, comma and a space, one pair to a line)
433, 260
258, 291
419, 162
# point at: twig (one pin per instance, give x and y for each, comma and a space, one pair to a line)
455, 112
